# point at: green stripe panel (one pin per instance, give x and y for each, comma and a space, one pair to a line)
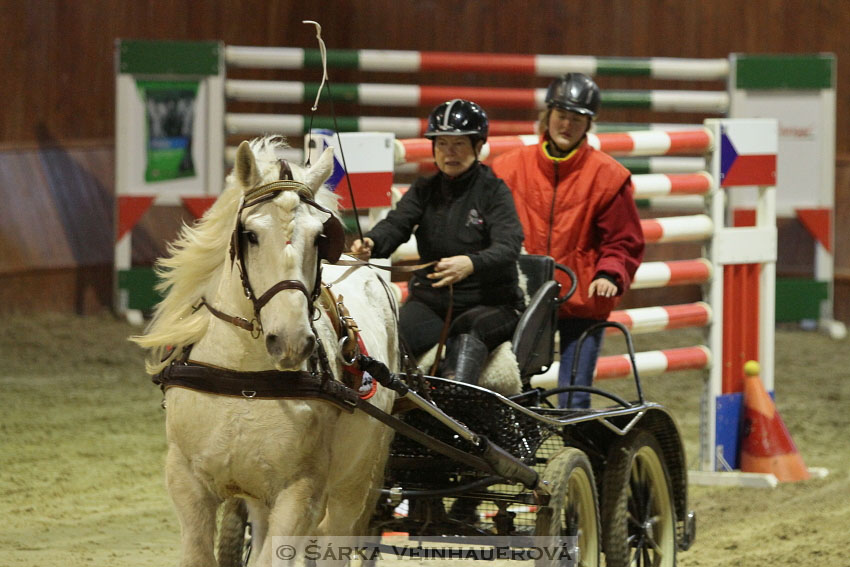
343, 123
636, 165
627, 99
341, 93
144, 57
607, 127
799, 298
623, 66
337, 58
809, 72
139, 283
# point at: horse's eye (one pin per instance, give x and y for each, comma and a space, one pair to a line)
251, 237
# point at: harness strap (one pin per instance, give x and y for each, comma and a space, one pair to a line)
280, 286
265, 384
232, 319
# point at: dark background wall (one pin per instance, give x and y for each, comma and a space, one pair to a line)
57, 71
57, 89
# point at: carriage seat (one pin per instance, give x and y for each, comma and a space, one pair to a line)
533, 341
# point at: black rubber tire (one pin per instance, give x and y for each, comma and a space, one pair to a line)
638, 511
574, 505
233, 545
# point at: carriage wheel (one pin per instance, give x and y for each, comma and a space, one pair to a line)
234, 534
574, 507
638, 513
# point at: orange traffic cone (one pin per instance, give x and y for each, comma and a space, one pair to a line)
766, 445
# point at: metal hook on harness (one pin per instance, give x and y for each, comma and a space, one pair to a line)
256, 328
343, 346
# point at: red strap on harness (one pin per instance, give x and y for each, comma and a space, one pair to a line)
368, 385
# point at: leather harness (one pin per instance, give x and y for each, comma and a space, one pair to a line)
317, 383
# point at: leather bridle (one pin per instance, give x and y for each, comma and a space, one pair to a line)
330, 245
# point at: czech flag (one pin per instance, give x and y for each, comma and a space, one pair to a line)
748, 153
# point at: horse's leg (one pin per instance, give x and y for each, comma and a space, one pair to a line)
295, 514
350, 505
196, 507
356, 473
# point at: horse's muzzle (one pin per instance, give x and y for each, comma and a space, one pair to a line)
290, 353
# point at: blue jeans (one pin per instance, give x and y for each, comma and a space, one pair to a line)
569, 331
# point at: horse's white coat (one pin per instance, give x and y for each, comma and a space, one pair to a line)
305, 467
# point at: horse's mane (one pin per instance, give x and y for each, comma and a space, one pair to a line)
195, 258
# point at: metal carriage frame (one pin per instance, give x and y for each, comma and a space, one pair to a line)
628, 458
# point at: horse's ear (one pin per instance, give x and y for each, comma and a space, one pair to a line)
320, 172
246, 166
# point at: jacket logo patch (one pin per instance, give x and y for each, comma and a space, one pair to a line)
473, 218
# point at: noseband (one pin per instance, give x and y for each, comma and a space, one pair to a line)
330, 246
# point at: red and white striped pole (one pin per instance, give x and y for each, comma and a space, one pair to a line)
673, 272
640, 143
662, 318
654, 362
677, 229
649, 363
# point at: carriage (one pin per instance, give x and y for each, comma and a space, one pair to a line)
253, 346
616, 475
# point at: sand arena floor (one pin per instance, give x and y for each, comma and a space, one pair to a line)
82, 448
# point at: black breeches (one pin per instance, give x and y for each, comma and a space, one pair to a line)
420, 325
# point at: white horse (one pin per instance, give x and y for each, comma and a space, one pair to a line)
304, 466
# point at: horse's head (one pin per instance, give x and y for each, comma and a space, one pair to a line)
280, 239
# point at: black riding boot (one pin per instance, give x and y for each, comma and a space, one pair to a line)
465, 357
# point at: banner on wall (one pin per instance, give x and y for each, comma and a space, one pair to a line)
798, 90
169, 116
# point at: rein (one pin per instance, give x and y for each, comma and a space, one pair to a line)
444, 332
399, 269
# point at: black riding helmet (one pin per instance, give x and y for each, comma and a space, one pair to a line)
575, 92
458, 117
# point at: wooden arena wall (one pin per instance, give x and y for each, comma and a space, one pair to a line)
57, 93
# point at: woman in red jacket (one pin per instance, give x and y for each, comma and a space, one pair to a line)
575, 204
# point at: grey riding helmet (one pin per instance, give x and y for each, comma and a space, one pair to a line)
575, 92
458, 117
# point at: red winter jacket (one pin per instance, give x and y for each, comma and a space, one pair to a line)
578, 209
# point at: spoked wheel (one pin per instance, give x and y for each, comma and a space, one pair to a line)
574, 509
234, 534
638, 513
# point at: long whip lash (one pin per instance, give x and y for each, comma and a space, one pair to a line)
326, 80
